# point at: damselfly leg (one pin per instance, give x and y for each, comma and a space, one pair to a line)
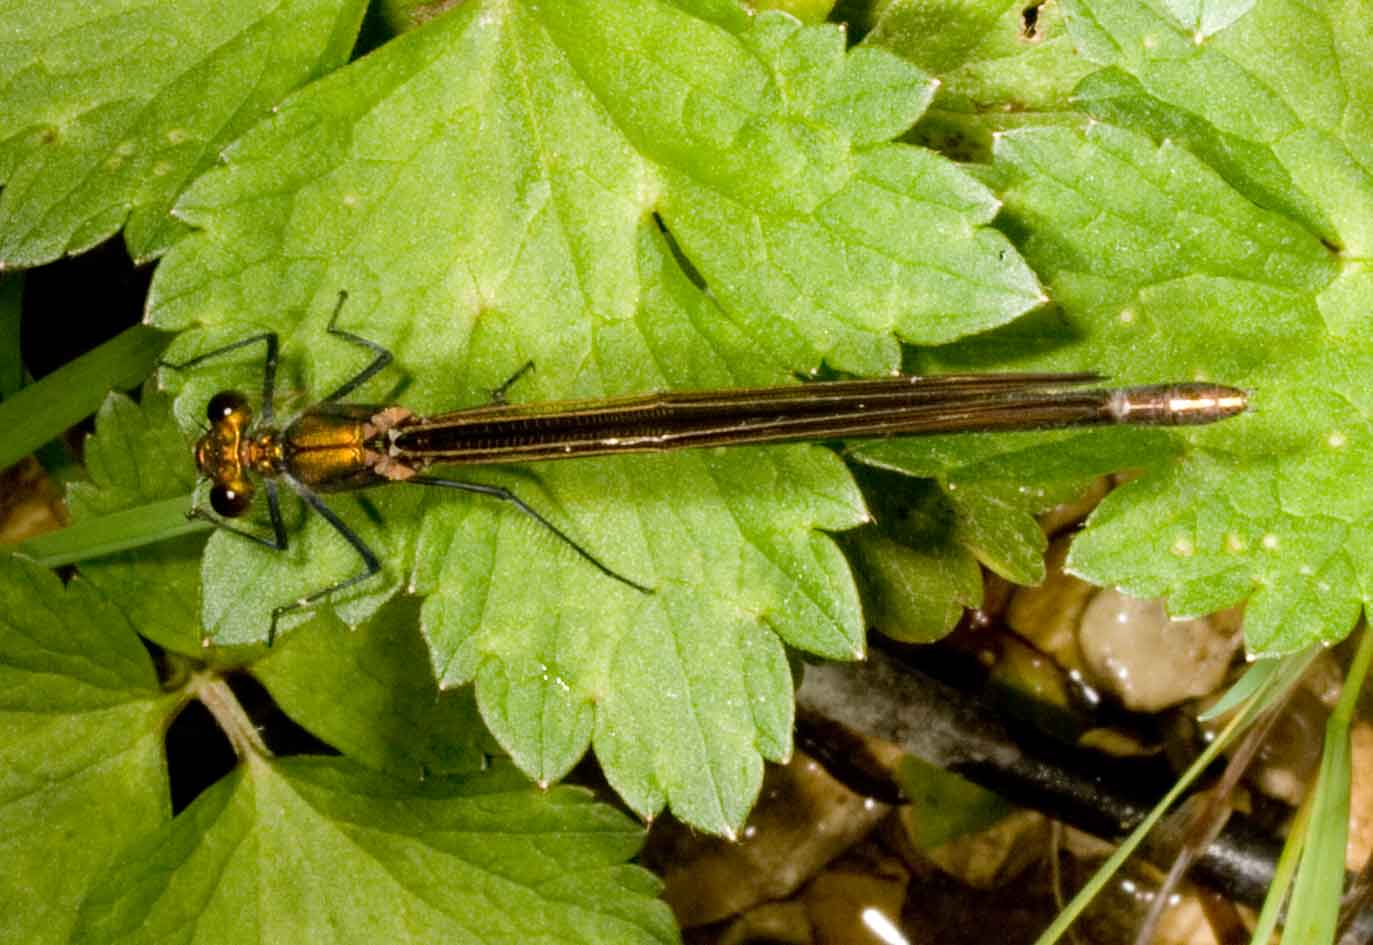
330, 447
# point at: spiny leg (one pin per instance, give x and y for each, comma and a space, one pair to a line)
381, 357
498, 395
505, 495
371, 563
278, 540
269, 366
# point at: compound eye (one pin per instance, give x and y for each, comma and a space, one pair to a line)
225, 403
230, 501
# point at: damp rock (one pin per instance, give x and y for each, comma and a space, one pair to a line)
1288, 758
1150, 662
804, 820
858, 900
1047, 615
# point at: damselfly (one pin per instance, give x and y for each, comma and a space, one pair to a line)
338, 447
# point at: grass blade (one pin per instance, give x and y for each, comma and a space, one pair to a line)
112, 533
41, 411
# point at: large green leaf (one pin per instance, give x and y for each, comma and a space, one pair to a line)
1232, 245
81, 770
109, 107
345, 854
318, 850
492, 188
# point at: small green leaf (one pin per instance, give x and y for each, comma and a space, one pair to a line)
916, 577
371, 694
139, 464
81, 769
349, 856
944, 806
914, 594
992, 489
109, 108
1001, 64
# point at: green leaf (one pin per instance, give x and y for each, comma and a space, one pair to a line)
944, 806
1001, 64
915, 577
371, 694
1146, 248
110, 107
489, 188
1278, 100
1303, 154
81, 769
139, 464
992, 490
349, 856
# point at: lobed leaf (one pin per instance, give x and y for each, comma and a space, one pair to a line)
1240, 264
493, 188
136, 457
81, 769
349, 856
371, 693
110, 108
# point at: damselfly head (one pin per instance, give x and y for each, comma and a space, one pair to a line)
219, 454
